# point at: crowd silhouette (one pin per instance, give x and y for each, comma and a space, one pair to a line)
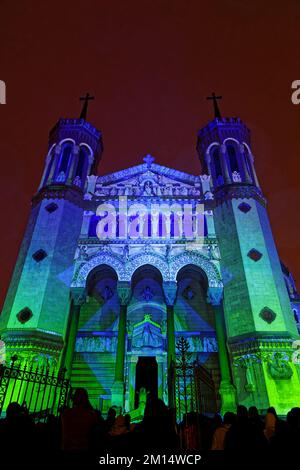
81, 429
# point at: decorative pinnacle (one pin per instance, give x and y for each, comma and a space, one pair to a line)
149, 160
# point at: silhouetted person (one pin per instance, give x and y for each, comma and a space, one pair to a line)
119, 427
130, 426
258, 439
110, 419
53, 433
17, 429
157, 430
218, 441
78, 423
238, 436
293, 428
270, 423
189, 429
254, 417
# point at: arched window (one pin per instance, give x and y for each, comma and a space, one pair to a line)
64, 161
82, 163
216, 166
231, 152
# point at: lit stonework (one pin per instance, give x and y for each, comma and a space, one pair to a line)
102, 307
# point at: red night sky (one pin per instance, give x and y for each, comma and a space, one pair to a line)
150, 64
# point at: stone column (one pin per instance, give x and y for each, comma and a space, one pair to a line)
78, 298
160, 376
132, 379
227, 390
73, 166
124, 294
243, 163
251, 163
223, 160
57, 152
47, 163
208, 163
89, 166
170, 292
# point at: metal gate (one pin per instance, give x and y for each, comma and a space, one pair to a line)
194, 385
40, 390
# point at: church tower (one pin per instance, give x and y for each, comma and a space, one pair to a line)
259, 321
34, 320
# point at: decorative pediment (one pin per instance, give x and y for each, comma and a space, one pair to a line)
147, 334
148, 179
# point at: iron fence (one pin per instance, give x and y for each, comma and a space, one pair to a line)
40, 390
194, 385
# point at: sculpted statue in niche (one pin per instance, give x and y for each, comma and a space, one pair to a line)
137, 190
250, 385
213, 252
198, 344
208, 195
195, 344
82, 252
147, 294
147, 339
279, 367
113, 191
101, 343
77, 181
158, 191
107, 293
126, 252
61, 177
184, 191
210, 345
168, 250
79, 346
100, 191
148, 188
236, 177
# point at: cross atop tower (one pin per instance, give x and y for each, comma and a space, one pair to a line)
215, 99
86, 100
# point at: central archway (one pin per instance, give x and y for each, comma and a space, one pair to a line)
146, 345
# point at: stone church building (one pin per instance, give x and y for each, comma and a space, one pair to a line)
115, 268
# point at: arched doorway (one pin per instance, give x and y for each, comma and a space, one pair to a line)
146, 343
146, 377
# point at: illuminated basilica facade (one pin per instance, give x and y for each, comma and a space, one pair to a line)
109, 306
